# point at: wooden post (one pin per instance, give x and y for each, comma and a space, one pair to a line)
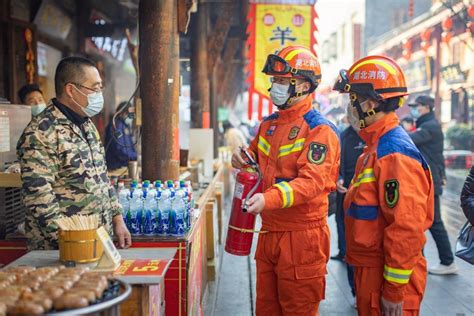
200, 116
159, 89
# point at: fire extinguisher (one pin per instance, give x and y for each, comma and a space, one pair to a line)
241, 223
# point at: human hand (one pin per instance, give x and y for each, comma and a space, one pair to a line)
121, 231
390, 308
238, 161
256, 204
340, 186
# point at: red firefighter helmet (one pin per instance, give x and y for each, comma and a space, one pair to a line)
378, 77
294, 62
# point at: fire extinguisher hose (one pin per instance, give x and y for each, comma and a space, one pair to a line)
244, 230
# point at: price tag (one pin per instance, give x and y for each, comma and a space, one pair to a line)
110, 259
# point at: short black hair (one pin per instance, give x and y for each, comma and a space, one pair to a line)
390, 105
27, 89
70, 69
122, 105
408, 119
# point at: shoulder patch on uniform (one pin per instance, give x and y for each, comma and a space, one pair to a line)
273, 116
317, 153
314, 118
391, 192
398, 141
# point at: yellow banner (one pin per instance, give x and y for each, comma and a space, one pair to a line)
278, 26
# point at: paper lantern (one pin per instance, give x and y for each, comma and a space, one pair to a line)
470, 10
447, 24
426, 35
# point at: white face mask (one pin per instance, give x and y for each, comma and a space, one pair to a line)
37, 109
352, 118
95, 103
279, 93
128, 121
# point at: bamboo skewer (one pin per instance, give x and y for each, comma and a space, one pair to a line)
78, 222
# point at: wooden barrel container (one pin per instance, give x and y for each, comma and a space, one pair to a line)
80, 246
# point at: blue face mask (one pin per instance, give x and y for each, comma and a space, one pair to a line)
414, 112
37, 109
95, 103
279, 93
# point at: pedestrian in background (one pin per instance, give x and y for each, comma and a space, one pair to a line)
234, 138
429, 139
120, 147
31, 94
467, 197
351, 148
408, 124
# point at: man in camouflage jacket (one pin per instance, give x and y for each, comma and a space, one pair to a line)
63, 161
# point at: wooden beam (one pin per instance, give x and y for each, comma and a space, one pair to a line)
200, 116
217, 38
159, 89
184, 14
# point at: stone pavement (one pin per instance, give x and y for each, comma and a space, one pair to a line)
234, 293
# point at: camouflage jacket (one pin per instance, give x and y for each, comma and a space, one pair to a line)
64, 173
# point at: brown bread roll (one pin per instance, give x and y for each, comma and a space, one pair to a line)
70, 301
72, 277
26, 308
52, 292
3, 309
19, 269
58, 283
87, 293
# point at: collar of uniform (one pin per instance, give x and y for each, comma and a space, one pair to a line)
295, 111
373, 132
69, 114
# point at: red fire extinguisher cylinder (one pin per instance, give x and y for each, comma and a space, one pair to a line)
241, 224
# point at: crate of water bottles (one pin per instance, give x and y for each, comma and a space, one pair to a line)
157, 209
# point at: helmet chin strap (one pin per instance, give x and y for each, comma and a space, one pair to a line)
363, 115
293, 95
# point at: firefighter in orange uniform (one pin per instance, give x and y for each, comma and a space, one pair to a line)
298, 153
389, 204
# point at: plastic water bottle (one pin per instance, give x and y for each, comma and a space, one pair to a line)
124, 200
150, 208
190, 209
172, 209
179, 211
165, 208
157, 219
136, 210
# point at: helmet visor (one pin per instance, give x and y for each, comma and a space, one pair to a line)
275, 65
342, 82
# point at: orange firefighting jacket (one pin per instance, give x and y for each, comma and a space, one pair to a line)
298, 152
389, 205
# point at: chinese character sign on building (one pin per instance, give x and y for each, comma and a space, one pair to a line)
276, 26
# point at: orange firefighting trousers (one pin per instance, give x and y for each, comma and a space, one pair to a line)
291, 271
369, 282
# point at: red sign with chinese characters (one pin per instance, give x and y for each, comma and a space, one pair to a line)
134, 267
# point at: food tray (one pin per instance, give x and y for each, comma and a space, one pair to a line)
117, 292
